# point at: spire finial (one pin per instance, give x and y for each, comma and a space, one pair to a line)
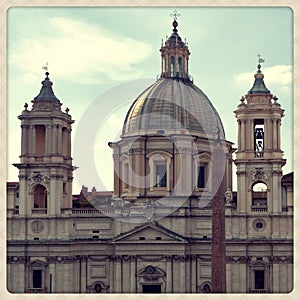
175, 15
45, 67
260, 61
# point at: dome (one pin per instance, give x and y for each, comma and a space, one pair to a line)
172, 105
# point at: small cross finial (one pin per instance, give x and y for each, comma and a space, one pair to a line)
175, 15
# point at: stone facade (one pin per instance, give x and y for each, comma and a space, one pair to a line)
155, 233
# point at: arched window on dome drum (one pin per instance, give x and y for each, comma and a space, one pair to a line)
259, 197
180, 66
40, 197
172, 66
160, 168
201, 176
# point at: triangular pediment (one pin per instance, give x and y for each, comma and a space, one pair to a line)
149, 233
38, 263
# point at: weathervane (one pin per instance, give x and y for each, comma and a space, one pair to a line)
260, 60
45, 67
175, 15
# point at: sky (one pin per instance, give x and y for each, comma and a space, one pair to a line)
101, 59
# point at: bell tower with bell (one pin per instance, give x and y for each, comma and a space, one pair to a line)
259, 158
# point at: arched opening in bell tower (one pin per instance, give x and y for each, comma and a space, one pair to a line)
40, 196
259, 196
259, 143
40, 134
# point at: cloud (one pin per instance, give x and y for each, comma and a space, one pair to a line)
76, 49
280, 75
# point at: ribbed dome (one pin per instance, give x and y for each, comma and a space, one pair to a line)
172, 105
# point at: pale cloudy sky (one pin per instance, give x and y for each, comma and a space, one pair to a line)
100, 59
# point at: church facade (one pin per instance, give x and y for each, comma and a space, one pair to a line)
154, 233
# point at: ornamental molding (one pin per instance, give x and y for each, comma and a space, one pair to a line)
38, 177
151, 258
281, 259
17, 259
45, 106
237, 259
259, 174
56, 176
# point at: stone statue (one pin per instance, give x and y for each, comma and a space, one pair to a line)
228, 196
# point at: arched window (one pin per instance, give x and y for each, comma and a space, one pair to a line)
259, 194
40, 134
180, 65
206, 288
172, 66
40, 197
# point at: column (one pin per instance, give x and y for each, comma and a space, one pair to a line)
182, 278
54, 139
52, 271
33, 140
132, 274
267, 136
48, 140
169, 275
118, 275
251, 138
278, 134
59, 143
111, 274
242, 135
274, 133
69, 142
117, 171
24, 140
276, 278
239, 134
83, 274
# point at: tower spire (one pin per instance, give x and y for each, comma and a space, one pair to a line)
259, 86
46, 92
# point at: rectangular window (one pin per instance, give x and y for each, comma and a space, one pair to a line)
201, 177
161, 175
37, 279
259, 279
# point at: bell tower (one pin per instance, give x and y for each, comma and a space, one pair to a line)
259, 158
45, 168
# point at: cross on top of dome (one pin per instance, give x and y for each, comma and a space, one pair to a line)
175, 14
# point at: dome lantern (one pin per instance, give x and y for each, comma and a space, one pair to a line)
175, 55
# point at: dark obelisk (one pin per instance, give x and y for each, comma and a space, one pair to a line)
218, 264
